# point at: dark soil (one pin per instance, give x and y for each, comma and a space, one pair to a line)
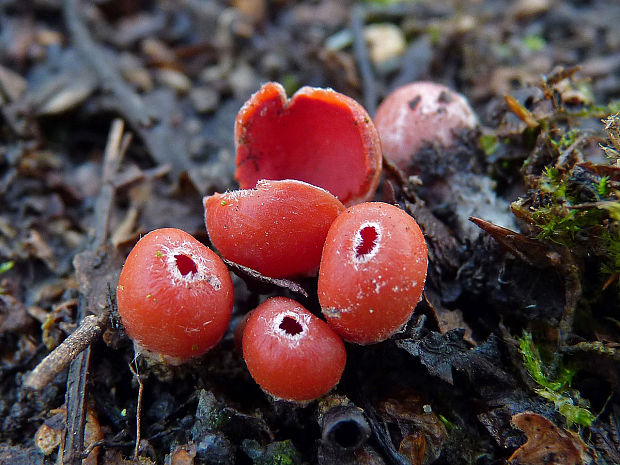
117, 118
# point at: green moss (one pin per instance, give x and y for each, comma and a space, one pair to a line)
612, 128
566, 140
535, 43
447, 423
579, 209
290, 83
597, 111
489, 143
603, 187
555, 389
6, 266
434, 33
276, 453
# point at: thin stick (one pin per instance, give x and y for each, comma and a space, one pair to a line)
115, 149
70, 452
138, 407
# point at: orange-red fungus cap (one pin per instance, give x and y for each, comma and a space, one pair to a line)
372, 272
290, 353
278, 228
174, 295
319, 136
420, 112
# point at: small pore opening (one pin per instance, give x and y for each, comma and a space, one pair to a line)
369, 236
185, 264
348, 434
290, 326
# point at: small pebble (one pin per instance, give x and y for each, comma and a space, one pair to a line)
385, 42
204, 99
174, 79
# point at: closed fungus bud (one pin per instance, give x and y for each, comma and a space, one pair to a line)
318, 136
290, 353
277, 229
372, 272
420, 112
174, 296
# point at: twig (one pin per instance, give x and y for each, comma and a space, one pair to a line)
363, 60
116, 147
138, 408
90, 328
75, 400
92, 447
572, 294
115, 442
598, 347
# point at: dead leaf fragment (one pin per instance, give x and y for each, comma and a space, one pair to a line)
413, 447
183, 455
547, 444
48, 436
422, 431
522, 113
12, 85
531, 251
39, 248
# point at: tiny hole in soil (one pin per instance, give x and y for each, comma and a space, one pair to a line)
185, 264
347, 434
369, 240
290, 326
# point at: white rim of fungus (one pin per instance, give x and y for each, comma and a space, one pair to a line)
301, 319
358, 240
265, 183
188, 250
229, 196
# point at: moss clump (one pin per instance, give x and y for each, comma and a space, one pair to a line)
555, 388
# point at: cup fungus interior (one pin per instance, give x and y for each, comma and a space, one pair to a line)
185, 264
290, 326
318, 136
366, 242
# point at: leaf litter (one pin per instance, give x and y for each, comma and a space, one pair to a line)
512, 355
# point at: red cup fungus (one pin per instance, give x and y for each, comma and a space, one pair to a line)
318, 136
278, 228
292, 354
174, 296
420, 112
372, 272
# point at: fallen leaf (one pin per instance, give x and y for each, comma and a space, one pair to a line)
547, 444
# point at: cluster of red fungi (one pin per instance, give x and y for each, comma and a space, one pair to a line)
307, 168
